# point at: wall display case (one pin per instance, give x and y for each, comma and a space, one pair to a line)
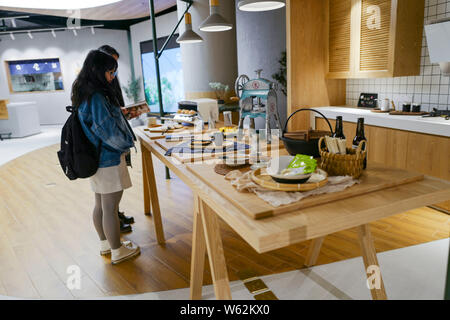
36, 75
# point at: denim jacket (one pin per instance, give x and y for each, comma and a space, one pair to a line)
102, 121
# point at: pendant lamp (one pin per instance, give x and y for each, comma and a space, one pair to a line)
189, 36
215, 22
260, 5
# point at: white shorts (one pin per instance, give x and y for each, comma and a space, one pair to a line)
111, 179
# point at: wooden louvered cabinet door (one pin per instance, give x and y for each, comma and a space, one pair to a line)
339, 33
385, 38
376, 37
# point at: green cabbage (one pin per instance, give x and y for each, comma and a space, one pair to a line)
308, 163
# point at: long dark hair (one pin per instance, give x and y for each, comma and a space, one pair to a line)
91, 78
109, 50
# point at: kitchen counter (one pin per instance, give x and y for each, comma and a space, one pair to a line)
433, 126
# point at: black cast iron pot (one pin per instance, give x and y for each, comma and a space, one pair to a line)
311, 147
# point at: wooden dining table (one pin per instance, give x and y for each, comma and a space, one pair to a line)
277, 231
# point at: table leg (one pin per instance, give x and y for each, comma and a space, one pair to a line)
371, 263
198, 254
145, 185
152, 188
215, 252
313, 252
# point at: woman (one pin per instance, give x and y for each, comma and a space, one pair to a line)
124, 220
105, 127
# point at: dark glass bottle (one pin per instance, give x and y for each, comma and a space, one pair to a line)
360, 136
339, 131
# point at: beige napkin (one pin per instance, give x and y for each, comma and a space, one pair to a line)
243, 183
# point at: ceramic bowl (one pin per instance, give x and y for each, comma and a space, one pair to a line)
275, 167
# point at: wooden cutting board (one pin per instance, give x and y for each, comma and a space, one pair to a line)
375, 178
381, 111
401, 113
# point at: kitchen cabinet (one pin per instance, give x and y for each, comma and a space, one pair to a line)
424, 153
374, 38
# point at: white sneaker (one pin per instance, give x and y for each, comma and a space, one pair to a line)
123, 253
105, 248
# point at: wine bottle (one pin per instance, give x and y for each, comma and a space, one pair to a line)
339, 131
360, 137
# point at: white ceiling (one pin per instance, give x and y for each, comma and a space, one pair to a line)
123, 10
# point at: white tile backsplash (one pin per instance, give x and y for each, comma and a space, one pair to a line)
430, 88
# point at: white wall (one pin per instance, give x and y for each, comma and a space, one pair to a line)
71, 51
142, 31
261, 37
214, 59
431, 89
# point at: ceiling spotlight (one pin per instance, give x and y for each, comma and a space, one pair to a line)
13, 22
30, 35
260, 5
189, 36
53, 33
215, 22
75, 32
92, 30
12, 36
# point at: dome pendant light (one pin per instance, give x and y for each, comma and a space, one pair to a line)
215, 22
260, 5
189, 36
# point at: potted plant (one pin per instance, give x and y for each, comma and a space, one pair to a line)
221, 91
280, 76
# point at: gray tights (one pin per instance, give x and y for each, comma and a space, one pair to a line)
106, 220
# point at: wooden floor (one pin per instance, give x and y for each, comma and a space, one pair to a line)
45, 226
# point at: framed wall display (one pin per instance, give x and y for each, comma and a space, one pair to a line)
34, 75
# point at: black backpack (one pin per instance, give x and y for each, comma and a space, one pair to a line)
78, 157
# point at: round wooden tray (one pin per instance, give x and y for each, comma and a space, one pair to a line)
200, 143
225, 144
223, 169
266, 181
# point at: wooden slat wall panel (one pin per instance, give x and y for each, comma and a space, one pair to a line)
339, 33
375, 42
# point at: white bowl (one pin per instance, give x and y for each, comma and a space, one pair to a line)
277, 165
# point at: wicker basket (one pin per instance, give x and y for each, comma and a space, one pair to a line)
350, 164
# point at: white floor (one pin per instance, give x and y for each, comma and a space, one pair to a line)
412, 273
14, 148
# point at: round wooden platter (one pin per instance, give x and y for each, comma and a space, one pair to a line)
225, 144
266, 181
160, 129
223, 169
